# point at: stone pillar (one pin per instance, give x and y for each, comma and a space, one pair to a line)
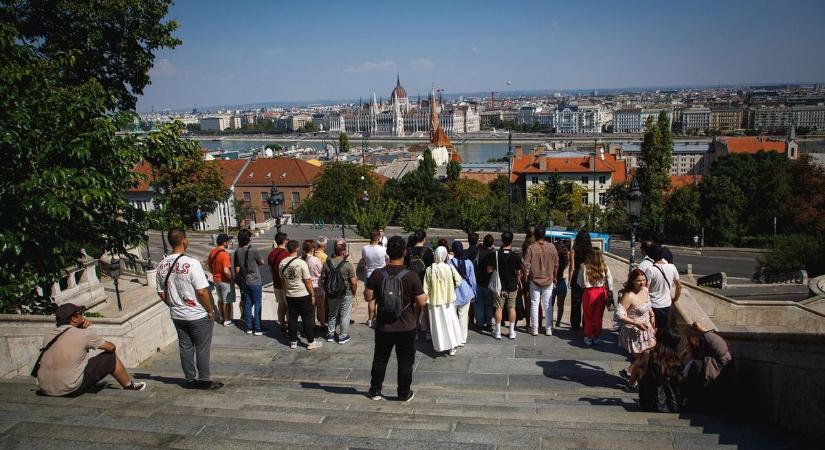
150, 278
56, 289
71, 282
89, 274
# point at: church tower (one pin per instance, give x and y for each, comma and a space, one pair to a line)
792, 144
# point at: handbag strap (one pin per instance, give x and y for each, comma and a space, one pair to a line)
36, 367
168, 274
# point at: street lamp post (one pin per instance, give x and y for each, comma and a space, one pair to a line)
276, 205
634, 209
114, 273
509, 177
596, 143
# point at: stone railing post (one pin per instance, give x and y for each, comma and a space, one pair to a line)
56, 289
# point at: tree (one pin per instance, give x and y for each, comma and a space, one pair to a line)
721, 203
242, 210
808, 196
112, 42
308, 127
682, 213
415, 216
184, 186
334, 188
375, 215
343, 143
614, 218
66, 173
453, 170
472, 214
794, 252
654, 171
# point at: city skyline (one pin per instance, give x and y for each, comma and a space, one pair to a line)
259, 54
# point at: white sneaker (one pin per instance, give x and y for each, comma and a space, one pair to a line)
497, 334
258, 333
512, 334
293, 344
226, 323
248, 331
453, 351
314, 345
534, 331
548, 331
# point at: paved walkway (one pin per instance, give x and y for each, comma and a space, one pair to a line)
533, 392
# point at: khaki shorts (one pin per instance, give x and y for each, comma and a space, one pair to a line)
280, 296
506, 299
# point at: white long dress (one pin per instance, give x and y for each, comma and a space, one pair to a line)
440, 281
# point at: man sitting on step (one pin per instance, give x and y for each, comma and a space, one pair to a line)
65, 368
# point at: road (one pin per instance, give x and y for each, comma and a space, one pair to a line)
738, 265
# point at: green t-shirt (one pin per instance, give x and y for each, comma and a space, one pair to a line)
347, 271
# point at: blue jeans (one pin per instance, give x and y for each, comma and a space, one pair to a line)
252, 295
483, 307
339, 307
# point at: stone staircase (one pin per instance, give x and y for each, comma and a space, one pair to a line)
534, 392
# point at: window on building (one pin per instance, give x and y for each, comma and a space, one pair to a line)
247, 196
585, 180
266, 214
264, 196
602, 198
535, 180
296, 199
585, 199
602, 179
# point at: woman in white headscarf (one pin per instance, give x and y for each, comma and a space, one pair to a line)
440, 281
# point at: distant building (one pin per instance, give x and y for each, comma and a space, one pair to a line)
689, 158
752, 145
696, 119
292, 176
725, 118
295, 122
779, 118
634, 120
214, 123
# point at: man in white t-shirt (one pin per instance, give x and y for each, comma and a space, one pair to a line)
183, 286
375, 257
300, 296
647, 262
664, 287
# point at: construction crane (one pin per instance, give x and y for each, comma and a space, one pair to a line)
493, 99
439, 90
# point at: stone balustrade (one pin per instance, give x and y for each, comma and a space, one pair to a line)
714, 280
795, 277
78, 284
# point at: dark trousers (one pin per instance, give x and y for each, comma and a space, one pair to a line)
301, 306
194, 341
404, 343
575, 302
662, 316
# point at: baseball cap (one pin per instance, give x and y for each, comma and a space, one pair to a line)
64, 312
223, 238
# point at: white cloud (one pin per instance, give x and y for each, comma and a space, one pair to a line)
162, 68
370, 66
475, 49
422, 64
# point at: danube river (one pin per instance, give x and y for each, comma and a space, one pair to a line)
470, 152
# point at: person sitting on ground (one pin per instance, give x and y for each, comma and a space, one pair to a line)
636, 314
66, 370
660, 374
706, 369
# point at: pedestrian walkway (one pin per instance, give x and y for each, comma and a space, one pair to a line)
534, 392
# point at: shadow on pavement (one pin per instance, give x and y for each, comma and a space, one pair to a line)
580, 372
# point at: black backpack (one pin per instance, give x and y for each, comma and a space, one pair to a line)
417, 263
393, 302
335, 286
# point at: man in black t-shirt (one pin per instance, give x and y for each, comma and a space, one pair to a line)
483, 304
509, 271
399, 333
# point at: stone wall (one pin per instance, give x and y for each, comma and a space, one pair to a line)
137, 333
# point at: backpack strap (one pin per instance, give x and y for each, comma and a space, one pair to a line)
209, 261
36, 367
663, 274
463, 275
168, 274
287, 265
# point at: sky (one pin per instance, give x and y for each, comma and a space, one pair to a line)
275, 51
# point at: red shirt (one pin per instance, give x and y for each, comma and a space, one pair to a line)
218, 260
274, 259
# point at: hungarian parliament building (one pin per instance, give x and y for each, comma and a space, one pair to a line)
400, 117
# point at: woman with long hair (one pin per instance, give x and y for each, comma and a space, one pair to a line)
595, 280
635, 312
440, 281
582, 246
315, 268
560, 290
660, 374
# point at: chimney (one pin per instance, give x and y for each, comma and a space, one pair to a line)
543, 164
519, 153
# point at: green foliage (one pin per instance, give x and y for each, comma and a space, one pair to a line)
453, 170
308, 127
112, 42
614, 218
338, 185
795, 252
682, 214
498, 199
375, 215
66, 172
472, 214
242, 210
343, 143
808, 196
721, 204
415, 216
654, 172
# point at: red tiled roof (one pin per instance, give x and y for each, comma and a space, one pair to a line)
281, 171
753, 144
532, 164
144, 169
229, 169
677, 181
